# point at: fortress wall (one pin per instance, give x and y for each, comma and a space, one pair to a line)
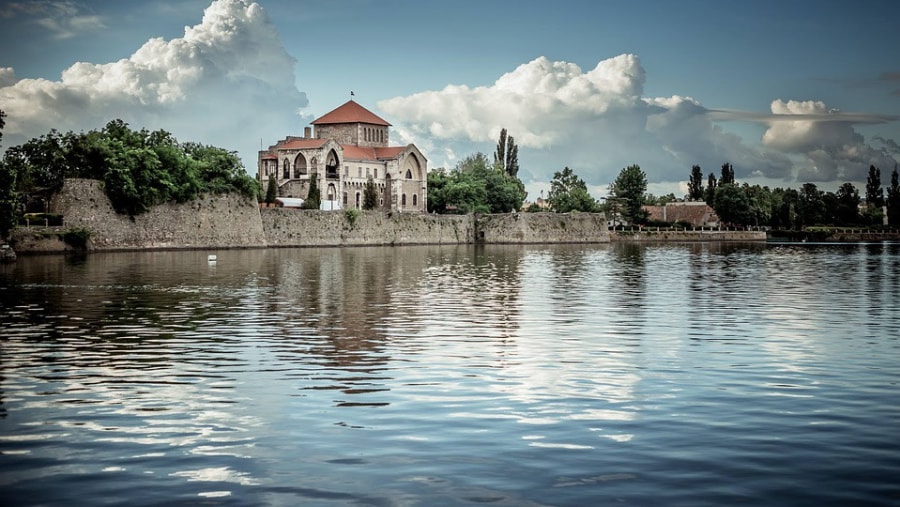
676, 236
293, 227
211, 221
543, 228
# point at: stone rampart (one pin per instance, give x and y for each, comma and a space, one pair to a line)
293, 227
542, 228
676, 236
212, 221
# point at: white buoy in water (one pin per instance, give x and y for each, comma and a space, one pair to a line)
211, 258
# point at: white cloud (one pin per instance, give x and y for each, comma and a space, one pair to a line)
226, 82
596, 122
826, 137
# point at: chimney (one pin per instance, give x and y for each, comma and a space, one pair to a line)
307, 132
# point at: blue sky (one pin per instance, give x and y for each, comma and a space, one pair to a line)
593, 85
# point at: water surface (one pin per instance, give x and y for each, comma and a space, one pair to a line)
682, 374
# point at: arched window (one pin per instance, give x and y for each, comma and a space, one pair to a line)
286, 168
403, 200
408, 174
357, 200
345, 199
415, 199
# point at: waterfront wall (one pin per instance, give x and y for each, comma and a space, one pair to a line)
231, 221
212, 221
292, 227
675, 236
542, 228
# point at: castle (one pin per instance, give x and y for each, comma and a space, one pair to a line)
349, 146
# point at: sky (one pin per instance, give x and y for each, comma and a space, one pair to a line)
788, 92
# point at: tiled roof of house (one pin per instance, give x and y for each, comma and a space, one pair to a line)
694, 213
299, 144
350, 112
353, 152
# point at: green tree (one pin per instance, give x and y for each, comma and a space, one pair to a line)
438, 179
760, 201
847, 209
271, 190
568, 193
507, 154
893, 199
727, 174
709, 194
313, 198
629, 187
695, 184
370, 195
732, 205
2, 123
874, 192
810, 206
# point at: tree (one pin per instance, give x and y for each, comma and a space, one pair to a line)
874, 192
732, 205
695, 184
710, 193
727, 174
893, 199
2, 123
507, 154
271, 190
629, 187
810, 206
370, 195
474, 185
568, 193
313, 198
847, 210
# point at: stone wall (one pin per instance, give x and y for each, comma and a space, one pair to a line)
293, 227
543, 228
212, 221
676, 236
230, 221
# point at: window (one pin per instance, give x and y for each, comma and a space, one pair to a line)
376, 172
359, 172
345, 199
287, 169
357, 200
408, 174
403, 200
346, 171
415, 199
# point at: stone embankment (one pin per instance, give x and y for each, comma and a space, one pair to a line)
230, 221
648, 235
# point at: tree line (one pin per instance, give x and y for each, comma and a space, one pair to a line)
138, 169
790, 209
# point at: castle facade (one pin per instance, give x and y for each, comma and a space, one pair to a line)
348, 146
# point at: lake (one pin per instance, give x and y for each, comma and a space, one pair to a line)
620, 374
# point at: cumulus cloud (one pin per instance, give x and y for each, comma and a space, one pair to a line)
596, 122
826, 137
599, 121
225, 78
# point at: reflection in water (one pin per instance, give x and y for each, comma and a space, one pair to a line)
511, 375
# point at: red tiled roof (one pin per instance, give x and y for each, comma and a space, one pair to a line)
355, 152
389, 151
350, 112
269, 156
299, 144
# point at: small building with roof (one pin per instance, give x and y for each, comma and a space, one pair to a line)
342, 150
